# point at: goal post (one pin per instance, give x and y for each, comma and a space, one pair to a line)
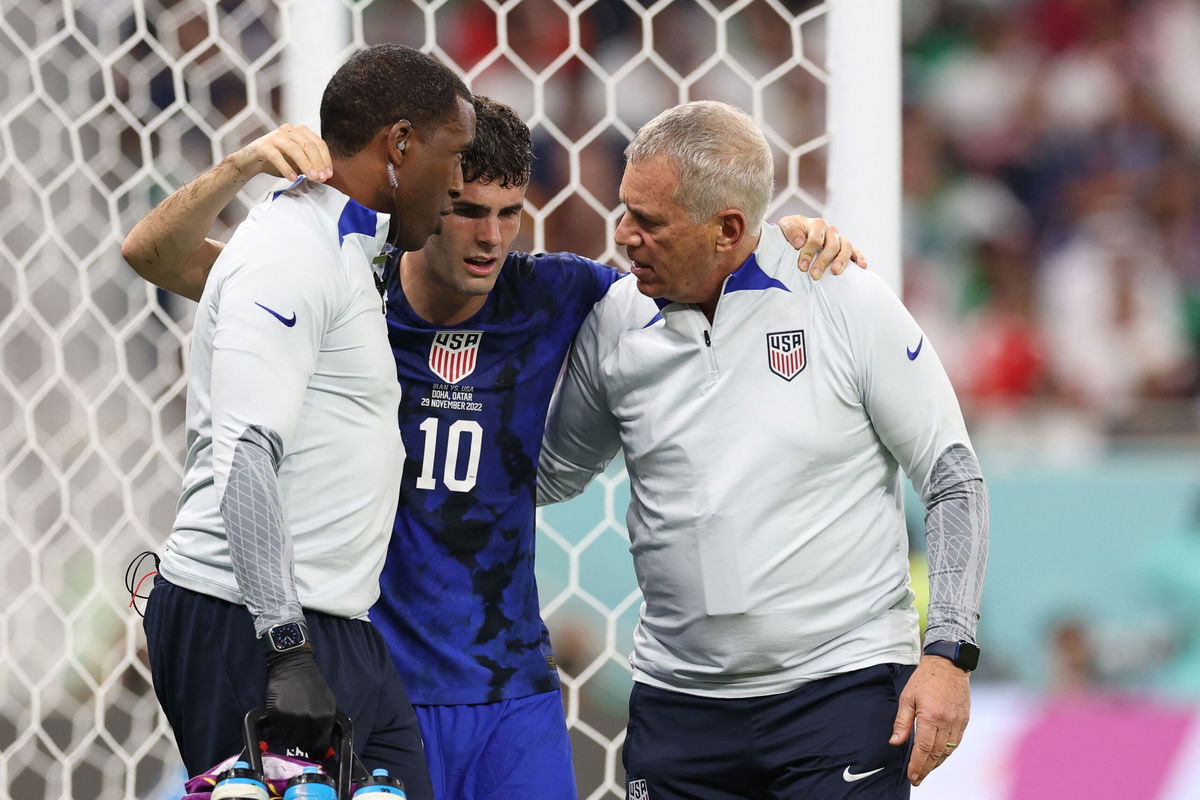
864, 129
108, 105
318, 38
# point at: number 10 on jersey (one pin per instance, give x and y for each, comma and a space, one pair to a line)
450, 470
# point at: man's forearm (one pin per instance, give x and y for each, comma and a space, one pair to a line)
956, 532
559, 480
260, 548
580, 437
168, 247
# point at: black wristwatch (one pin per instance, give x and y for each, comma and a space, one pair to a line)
962, 654
284, 637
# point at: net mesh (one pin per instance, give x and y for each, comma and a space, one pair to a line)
108, 105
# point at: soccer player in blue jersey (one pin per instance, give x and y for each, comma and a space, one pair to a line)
478, 335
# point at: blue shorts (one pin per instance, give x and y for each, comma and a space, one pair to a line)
209, 670
826, 739
508, 750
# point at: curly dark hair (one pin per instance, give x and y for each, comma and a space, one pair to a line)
501, 152
381, 85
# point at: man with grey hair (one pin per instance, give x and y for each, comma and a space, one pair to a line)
764, 421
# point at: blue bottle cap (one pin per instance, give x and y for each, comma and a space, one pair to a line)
311, 784
240, 782
380, 786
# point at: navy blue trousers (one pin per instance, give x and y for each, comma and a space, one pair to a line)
209, 670
825, 740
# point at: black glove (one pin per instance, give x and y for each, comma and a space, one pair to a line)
300, 704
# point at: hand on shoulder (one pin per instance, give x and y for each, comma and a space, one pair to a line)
286, 152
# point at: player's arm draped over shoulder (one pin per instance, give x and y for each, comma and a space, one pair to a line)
169, 246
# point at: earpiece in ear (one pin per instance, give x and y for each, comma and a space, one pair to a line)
401, 146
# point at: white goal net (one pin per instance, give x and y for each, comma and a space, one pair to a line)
108, 105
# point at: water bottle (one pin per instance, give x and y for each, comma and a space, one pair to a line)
311, 784
380, 786
240, 782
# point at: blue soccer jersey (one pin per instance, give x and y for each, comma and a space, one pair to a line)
459, 605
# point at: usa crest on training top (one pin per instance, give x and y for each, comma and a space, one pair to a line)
785, 353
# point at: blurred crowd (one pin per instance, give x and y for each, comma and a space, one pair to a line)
1052, 206
1051, 180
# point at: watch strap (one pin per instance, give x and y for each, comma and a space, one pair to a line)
962, 654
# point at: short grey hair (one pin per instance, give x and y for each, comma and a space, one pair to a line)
721, 155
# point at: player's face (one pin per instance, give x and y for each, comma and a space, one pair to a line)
429, 175
672, 257
467, 254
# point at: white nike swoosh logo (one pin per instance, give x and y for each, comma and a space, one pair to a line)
851, 777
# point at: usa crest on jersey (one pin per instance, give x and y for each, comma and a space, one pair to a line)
637, 790
785, 353
454, 354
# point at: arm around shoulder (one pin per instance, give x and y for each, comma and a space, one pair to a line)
169, 246
582, 435
184, 276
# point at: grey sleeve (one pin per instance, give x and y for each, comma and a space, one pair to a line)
260, 545
581, 435
956, 535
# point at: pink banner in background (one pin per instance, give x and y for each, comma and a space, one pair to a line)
1099, 749
1022, 746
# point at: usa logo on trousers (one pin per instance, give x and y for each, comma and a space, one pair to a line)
637, 790
454, 353
785, 353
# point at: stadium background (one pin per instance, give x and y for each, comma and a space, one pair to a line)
1051, 223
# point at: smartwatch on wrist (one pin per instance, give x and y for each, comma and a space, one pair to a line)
963, 655
285, 636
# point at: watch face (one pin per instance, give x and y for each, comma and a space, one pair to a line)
287, 636
968, 656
